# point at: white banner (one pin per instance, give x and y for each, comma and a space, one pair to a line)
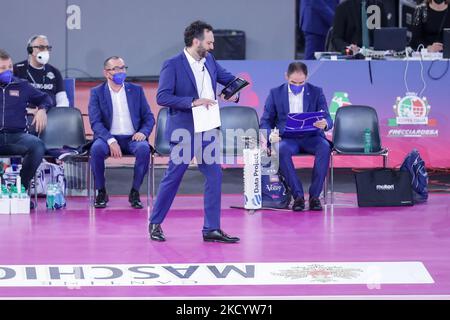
252, 178
217, 274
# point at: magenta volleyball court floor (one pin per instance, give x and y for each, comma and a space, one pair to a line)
343, 252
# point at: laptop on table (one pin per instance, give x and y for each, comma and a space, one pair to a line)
394, 39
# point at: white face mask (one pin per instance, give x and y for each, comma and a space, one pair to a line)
43, 57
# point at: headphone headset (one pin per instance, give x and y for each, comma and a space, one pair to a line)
29, 47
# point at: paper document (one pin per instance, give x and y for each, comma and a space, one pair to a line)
206, 118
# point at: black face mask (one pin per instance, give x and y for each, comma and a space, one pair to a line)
438, 1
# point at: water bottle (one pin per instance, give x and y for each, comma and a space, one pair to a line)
53, 194
367, 141
18, 185
14, 193
4, 191
59, 197
50, 197
23, 192
20, 189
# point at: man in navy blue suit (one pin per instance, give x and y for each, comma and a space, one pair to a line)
297, 96
316, 18
186, 81
15, 94
122, 122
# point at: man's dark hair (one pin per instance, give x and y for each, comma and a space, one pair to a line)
297, 67
105, 64
195, 30
4, 55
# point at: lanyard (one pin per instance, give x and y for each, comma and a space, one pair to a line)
32, 79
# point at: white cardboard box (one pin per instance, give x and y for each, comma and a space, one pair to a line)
20, 205
5, 206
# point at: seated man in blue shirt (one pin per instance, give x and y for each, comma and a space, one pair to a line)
297, 96
15, 95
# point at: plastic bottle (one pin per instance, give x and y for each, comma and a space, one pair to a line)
50, 197
18, 185
54, 192
21, 192
4, 191
14, 193
59, 197
367, 141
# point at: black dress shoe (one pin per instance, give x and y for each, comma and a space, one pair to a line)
299, 204
133, 198
219, 236
156, 232
314, 204
102, 199
32, 205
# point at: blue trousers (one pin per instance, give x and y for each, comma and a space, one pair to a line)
100, 151
314, 145
174, 173
313, 43
30, 147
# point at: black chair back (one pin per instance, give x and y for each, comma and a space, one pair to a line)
162, 144
349, 126
65, 127
328, 40
236, 122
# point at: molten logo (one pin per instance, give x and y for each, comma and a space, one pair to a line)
385, 187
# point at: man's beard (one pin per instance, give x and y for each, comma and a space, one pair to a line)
202, 52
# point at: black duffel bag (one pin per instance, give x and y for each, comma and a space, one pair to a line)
384, 188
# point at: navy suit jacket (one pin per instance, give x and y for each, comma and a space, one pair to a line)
177, 89
276, 108
316, 16
101, 110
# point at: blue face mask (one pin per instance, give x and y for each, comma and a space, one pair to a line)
6, 76
296, 89
119, 78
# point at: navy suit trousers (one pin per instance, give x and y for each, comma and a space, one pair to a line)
314, 145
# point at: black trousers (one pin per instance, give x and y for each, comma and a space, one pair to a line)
30, 147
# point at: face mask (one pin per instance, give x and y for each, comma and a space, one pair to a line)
438, 1
296, 89
6, 76
43, 57
119, 78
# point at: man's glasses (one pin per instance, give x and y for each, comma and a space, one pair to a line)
116, 69
42, 48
